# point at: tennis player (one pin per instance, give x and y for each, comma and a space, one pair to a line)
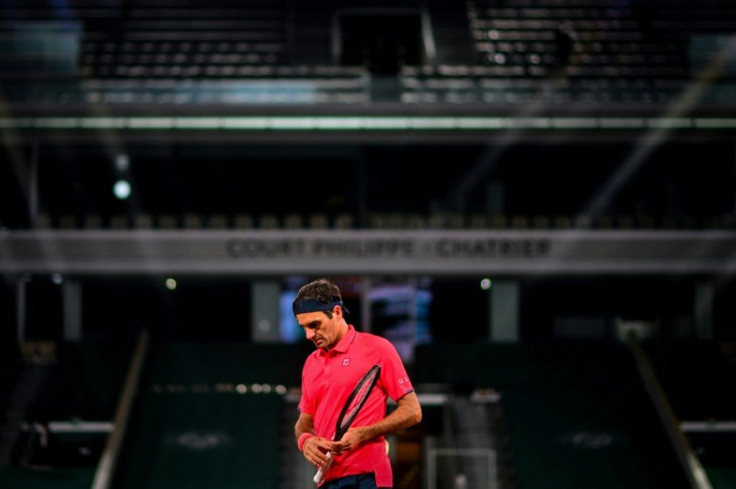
329, 375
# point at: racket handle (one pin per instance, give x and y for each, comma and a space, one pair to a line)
323, 469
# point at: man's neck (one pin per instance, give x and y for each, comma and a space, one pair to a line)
344, 328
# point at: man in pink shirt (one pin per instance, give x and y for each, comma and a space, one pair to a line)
329, 374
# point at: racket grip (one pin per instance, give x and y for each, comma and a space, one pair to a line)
323, 469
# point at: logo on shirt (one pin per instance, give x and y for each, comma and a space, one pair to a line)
345, 362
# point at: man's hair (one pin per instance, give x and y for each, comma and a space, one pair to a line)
321, 290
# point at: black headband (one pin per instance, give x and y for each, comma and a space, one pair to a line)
313, 305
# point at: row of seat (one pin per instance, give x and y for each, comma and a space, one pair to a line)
464, 85
222, 85
552, 3
387, 220
515, 98
344, 92
460, 85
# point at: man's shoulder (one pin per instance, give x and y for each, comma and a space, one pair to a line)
313, 356
373, 339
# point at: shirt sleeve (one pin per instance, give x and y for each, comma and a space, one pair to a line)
394, 376
305, 402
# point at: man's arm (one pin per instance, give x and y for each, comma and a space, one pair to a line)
314, 448
408, 412
305, 424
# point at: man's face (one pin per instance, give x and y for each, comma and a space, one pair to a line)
321, 330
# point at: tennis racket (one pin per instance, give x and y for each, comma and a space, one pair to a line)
355, 401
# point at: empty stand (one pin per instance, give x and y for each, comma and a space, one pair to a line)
505, 53
576, 412
170, 53
577, 52
209, 415
697, 377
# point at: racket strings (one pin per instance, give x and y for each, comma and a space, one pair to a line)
353, 408
361, 394
359, 399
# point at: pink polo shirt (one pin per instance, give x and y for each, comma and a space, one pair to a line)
327, 380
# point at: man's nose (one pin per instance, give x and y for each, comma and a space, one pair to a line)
309, 333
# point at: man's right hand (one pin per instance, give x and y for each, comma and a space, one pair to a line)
315, 449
